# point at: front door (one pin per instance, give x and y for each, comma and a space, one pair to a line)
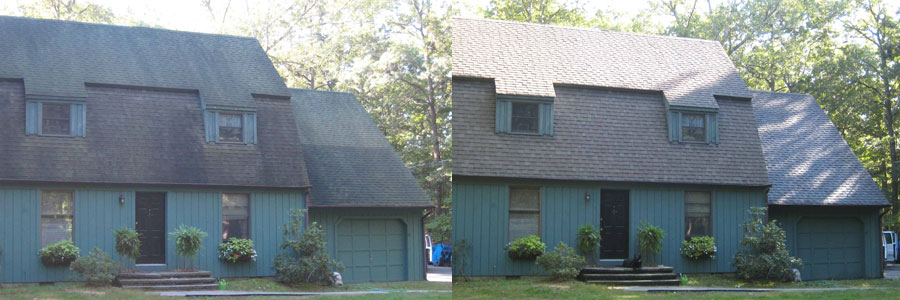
614, 224
150, 222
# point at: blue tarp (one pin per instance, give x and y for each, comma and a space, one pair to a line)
436, 252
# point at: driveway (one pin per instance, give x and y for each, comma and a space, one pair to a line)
439, 274
892, 271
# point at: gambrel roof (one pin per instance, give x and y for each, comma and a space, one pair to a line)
808, 161
528, 59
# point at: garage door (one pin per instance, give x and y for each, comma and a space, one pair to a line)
831, 248
372, 250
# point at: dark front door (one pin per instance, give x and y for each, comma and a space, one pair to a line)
614, 224
150, 222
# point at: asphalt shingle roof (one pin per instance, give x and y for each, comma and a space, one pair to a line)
528, 59
808, 161
56, 58
350, 162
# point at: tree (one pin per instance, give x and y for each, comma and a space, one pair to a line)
69, 10
537, 11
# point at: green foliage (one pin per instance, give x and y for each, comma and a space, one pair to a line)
699, 247
650, 240
536, 11
460, 258
308, 260
97, 268
128, 242
562, 262
188, 240
237, 250
526, 248
439, 227
765, 256
588, 241
61, 253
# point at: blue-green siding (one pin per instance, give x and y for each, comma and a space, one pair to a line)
330, 218
481, 217
791, 216
98, 213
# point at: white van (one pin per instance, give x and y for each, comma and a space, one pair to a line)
889, 243
428, 252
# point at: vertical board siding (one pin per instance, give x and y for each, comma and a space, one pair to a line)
329, 218
98, 213
480, 217
790, 217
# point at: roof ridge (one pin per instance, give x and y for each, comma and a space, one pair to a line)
137, 27
777, 93
321, 91
589, 29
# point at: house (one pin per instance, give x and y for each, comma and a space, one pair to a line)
826, 201
105, 127
556, 128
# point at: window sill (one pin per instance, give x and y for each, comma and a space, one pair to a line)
524, 133
56, 135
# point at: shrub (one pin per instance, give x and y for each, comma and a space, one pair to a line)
765, 256
97, 268
187, 242
308, 260
526, 248
128, 243
588, 241
650, 240
61, 253
460, 258
699, 247
237, 250
563, 263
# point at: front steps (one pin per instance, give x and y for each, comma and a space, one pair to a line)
167, 281
646, 276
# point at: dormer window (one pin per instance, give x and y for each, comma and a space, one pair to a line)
231, 129
54, 118
524, 115
693, 127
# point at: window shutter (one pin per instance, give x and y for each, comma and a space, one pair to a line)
250, 128
712, 128
504, 111
77, 119
674, 126
212, 127
32, 118
546, 119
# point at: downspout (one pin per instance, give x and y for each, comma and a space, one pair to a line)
880, 216
424, 254
306, 220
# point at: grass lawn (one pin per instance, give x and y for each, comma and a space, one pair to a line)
707, 280
78, 291
540, 288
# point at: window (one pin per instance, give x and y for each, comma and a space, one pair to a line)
697, 214
693, 127
56, 118
231, 128
525, 117
235, 216
524, 212
57, 213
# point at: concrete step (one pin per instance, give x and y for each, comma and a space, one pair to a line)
621, 270
188, 287
637, 282
629, 276
167, 281
160, 275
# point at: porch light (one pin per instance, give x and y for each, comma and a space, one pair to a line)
587, 196
121, 199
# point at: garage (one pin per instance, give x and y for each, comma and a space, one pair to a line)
831, 248
372, 249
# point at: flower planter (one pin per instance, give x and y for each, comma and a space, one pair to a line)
50, 261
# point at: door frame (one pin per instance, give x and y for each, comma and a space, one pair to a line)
627, 224
165, 205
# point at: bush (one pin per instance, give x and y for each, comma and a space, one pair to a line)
526, 248
699, 247
460, 258
308, 260
97, 268
61, 253
237, 250
562, 263
187, 242
650, 240
128, 243
765, 256
588, 241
